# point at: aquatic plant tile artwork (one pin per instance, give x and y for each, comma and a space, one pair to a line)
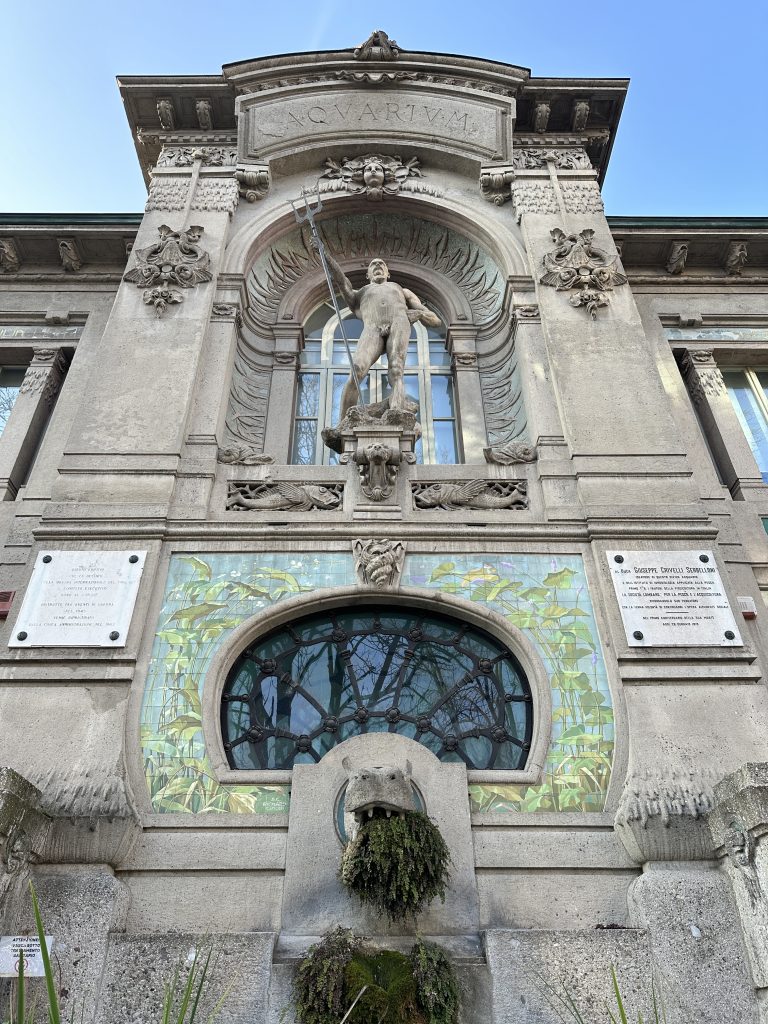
209, 595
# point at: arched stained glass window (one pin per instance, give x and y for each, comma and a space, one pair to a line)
295, 693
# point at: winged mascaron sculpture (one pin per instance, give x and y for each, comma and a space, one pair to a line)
576, 263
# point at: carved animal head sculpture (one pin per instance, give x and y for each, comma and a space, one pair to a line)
382, 789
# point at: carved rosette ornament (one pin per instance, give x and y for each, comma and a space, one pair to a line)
375, 176
576, 264
379, 562
176, 260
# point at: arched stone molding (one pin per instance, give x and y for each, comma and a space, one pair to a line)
446, 604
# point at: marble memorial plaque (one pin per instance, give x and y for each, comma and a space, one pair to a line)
672, 599
12, 947
79, 599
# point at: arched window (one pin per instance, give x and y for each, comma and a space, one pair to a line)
325, 369
297, 692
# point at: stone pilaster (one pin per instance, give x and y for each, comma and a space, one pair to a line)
282, 392
28, 417
462, 344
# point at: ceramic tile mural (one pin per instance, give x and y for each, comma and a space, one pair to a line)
209, 595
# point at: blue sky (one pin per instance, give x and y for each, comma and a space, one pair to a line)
693, 138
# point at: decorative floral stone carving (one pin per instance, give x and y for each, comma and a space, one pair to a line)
494, 185
378, 46
209, 156
563, 159
272, 496
534, 197
379, 562
9, 256
582, 197
243, 455
510, 454
253, 181
735, 258
176, 259
376, 77
378, 465
577, 264
373, 175
678, 254
166, 113
204, 111
69, 254
485, 495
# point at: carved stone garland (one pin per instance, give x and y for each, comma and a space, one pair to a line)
578, 265
176, 259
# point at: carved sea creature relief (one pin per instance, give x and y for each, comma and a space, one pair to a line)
510, 454
374, 175
379, 562
378, 464
268, 495
176, 259
576, 263
243, 455
474, 494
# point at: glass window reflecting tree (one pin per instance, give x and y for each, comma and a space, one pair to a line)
297, 692
324, 371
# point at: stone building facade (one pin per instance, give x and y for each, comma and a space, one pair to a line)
594, 400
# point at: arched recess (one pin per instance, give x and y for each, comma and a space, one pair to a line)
407, 598
459, 265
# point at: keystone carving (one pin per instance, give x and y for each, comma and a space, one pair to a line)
204, 111
678, 255
485, 495
494, 185
378, 465
578, 265
176, 260
379, 562
243, 455
735, 258
69, 254
378, 46
269, 495
372, 175
9, 256
253, 181
510, 454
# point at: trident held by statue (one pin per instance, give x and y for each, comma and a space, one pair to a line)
308, 217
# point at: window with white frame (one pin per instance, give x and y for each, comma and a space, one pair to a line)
324, 370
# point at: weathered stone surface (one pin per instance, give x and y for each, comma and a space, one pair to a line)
139, 966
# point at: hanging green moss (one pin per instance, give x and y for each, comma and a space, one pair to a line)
437, 989
397, 865
417, 989
319, 987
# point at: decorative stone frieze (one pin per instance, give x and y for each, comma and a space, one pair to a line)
374, 77
167, 194
563, 159
482, 495
69, 254
176, 260
678, 254
282, 495
253, 181
576, 264
510, 454
378, 46
209, 156
495, 184
379, 563
534, 197
375, 176
212, 194
9, 256
662, 815
735, 258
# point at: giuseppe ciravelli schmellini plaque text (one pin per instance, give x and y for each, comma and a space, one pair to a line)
672, 599
79, 599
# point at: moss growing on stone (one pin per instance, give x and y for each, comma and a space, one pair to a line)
437, 989
397, 865
390, 996
319, 987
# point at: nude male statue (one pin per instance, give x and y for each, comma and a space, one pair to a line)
387, 311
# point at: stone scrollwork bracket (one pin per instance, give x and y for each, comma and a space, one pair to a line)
378, 465
176, 261
495, 184
576, 264
253, 181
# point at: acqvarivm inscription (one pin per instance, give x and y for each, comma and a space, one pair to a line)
365, 114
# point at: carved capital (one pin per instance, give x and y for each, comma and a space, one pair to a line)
44, 374
702, 375
495, 184
379, 563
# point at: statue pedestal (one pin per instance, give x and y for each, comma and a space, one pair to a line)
377, 448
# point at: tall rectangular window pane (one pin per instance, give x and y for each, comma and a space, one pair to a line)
304, 442
308, 396
442, 397
10, 382
750, 416
445, 442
